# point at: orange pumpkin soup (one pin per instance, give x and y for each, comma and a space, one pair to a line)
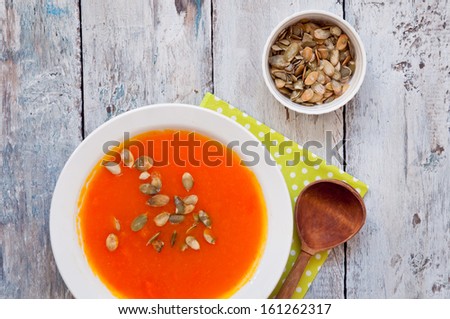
119, 230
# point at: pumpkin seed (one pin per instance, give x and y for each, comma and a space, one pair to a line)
307, 95
173, 238
311, 78
190, 200
207, 234
179, 205
321, 78
294, 95
148, 189
298, 85
116, 224
318, 88
176, 219
321, 34
278, 61
337, 88
334, 57
281, 75
144, 176
342, 42
299, 69
328, 68
195, 216
347, 60
336, 31
289, 68
279, 83
113, 167
156, 182
346, 72
112, 242
161, 219
153, 238
158, 200
204, 218
276, 48
192, 227
352, 66
158, 245
336, 75
192, 242
188, 209
188, 181
143, 163
330, 99
291, 51
316, 98
307, 38
139, 222
323, 51
127, 157
184, 247
307, 54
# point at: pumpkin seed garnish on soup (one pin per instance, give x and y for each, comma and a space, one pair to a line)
158, 245
153, 238
190, 200
127, 157
112, 242
204, 218
161, 219
113, 167
188, 181
116, 224
192, 242
158, 200
176, 219
207, 234
143, 163
173, 238
139, 222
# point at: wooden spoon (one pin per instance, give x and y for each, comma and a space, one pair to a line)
327, 214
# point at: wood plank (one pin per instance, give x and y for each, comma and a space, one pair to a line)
399, 128
40, 126
240, 30
143, 52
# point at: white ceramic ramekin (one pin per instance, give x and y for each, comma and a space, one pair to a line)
358, 51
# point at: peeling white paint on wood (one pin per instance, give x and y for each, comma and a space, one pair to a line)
399, 128
143, 52
40, 124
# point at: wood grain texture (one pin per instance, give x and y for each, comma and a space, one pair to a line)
143, 52
400, 131
40, 126
240, 30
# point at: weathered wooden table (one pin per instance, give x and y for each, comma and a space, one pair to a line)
67, 66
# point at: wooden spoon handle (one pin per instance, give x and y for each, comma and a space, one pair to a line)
291, 282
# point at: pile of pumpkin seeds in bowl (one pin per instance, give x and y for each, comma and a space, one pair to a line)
311, 63
152, 186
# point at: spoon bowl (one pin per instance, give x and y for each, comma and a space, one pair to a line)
327, 214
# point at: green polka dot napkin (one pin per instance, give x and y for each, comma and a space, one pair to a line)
296, 173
